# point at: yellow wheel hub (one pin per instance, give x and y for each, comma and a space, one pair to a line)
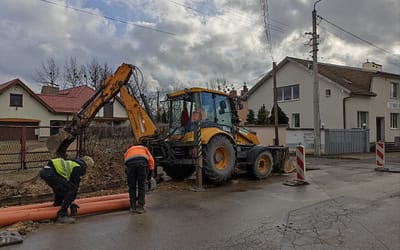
221, 158
263, 165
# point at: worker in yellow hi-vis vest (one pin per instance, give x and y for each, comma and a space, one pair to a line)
64, 177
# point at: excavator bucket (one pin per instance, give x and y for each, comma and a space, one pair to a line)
58, 144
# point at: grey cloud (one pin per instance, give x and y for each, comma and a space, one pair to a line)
230, 44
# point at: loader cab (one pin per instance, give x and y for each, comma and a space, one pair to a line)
190, 106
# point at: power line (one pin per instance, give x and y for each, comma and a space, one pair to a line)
242, 17
106, 17
266, 20
359, 38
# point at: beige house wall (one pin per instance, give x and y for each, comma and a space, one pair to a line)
242, 113
266, 135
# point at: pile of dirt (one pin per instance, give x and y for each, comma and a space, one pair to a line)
107, 173
107, 176
20, 187
108, 169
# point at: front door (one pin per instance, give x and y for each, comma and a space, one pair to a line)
380, 129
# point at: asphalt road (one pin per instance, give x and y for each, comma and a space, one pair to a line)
347, 205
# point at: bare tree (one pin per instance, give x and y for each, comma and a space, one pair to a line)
49, 73
93, 72
220, 84
73, 75
105, 71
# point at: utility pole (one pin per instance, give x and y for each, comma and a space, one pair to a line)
317, 119
276, 141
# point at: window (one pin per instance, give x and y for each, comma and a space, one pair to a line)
288, 93
109, 109
223, 113
394, 120
394, 90
327, 92
362, 119
15, 100
296, 120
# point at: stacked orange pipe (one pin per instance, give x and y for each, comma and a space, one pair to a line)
78, 201
36, 212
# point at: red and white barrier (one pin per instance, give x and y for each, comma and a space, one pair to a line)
300, 168
380, 155
300, 163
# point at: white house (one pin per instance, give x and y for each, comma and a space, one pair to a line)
19, 105
348, 97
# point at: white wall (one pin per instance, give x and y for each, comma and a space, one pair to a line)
119, 110
31, 109
376, 107
331, 111
331, 108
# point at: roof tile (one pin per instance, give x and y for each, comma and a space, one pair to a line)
68, 100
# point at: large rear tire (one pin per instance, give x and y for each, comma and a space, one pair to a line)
179, 172
262, 166
219, 159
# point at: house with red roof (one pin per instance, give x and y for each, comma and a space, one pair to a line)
19, 105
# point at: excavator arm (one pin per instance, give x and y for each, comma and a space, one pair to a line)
139, 117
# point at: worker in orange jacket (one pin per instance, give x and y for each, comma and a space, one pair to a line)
139, 165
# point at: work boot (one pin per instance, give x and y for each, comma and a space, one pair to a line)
65, 220
140, 210
74, 209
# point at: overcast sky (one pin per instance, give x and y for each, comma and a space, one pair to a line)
179, 43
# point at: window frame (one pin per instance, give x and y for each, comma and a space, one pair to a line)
295, 120
281, 93
328, 92
394, 120
394, 90
19, 102
360, 119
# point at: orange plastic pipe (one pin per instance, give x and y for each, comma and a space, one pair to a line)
10, 217
78, 201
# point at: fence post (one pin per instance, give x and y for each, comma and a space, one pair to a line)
380, 156
23, 147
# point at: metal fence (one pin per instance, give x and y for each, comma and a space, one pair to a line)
341, 141
22, 148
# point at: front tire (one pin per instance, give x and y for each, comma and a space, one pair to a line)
262, 166
219, 159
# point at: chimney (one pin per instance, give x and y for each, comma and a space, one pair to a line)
372, 66
233, 94
244, 91
49, 90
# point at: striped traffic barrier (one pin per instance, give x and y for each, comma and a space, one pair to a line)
380, 156
300, 163
300, 168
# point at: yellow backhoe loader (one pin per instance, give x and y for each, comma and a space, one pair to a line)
193, 112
